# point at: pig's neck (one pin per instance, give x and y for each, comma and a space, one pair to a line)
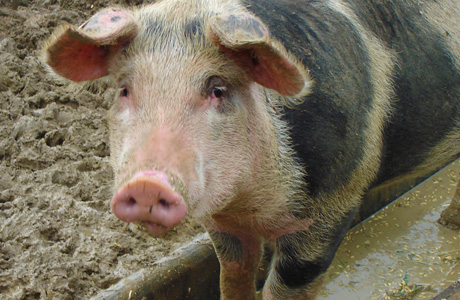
274, 196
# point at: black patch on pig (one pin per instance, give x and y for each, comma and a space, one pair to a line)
327, 128
297, 273
228, 247
293, 271
164, 31
234, 23
193, 28
115, 19
427, 83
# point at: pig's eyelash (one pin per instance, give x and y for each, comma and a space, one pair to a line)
124, 92
215, 86
218, 91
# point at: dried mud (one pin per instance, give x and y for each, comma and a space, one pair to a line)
58, 238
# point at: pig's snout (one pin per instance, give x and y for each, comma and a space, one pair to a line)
149, 198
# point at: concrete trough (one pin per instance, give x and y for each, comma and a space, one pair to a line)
401, 252
192, 272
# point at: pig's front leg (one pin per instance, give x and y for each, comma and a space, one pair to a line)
239, 257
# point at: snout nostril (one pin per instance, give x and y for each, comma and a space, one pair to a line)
131, 201
164, 203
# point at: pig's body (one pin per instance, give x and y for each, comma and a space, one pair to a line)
370, 94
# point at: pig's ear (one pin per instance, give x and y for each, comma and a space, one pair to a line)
83, 53
246, 39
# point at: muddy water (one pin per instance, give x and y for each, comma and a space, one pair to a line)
401, 250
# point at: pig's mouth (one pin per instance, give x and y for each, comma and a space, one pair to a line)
155, 229
149, 197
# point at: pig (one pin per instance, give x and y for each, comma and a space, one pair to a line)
267, 121
450, 217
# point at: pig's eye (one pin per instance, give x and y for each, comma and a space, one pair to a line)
218, 92
124, 92
215, 90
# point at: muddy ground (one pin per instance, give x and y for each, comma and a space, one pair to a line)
58, 238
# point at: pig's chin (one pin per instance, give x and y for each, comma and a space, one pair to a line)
155, 229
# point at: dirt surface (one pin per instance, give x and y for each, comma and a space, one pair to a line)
58, 238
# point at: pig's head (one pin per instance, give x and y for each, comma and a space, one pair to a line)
191, 127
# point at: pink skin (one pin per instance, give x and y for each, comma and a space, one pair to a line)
237, 277
148, 197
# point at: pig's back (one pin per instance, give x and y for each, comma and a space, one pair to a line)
331, 129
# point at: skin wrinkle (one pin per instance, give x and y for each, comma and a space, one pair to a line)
233, 250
